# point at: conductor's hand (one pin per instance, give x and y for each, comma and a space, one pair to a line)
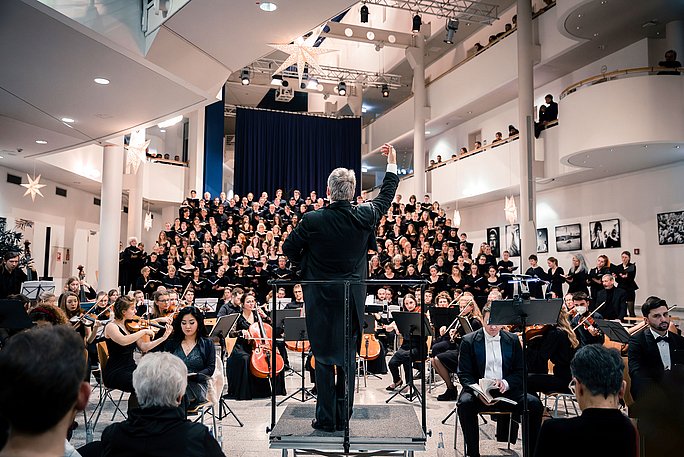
389, 151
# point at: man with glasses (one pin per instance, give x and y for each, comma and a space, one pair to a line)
601, 429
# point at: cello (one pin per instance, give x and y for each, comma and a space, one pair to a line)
260, 361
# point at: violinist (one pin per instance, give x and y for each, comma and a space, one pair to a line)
118, 373
556, 343
242, 384
446, 362
586, 333
190, 343
72, 308
410, 351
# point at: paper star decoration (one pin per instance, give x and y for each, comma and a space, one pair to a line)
135, 155
301, 52
33, 187
148, 221
510, 210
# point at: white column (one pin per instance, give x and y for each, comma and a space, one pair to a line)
416, 58
135, 190
110, 216
195, 176
528, 200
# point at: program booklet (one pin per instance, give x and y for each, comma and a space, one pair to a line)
483, 389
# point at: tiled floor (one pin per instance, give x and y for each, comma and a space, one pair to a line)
252, 439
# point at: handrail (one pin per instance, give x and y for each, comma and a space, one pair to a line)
603, 77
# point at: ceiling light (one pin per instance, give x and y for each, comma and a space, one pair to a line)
102, 81
285, 83
364, 170
370, 35
427, 132
385, 91
320, 87
364, 109
348, 32
276, 80
364, 14
162, 130
342, 88
41, 141
244, 77
68, 120
415, 24
451, 28
169, 122
312, 84
268, 6
1, 157
391, 38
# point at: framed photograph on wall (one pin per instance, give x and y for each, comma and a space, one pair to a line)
671, 227
605, 234
494, 240
542, 240
513, 239
568, 238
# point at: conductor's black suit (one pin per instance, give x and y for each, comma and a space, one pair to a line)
332, 243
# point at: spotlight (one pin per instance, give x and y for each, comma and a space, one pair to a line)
244, 77
415, 28
285, 83
342, 88
385, 91
451, 28
312, 84
364, 14
276, 80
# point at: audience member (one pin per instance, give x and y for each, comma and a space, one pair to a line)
670, 62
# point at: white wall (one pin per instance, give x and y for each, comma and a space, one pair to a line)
634, 198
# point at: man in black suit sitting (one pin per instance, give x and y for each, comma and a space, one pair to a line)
651, 352
615, 299
331, 244
601, 429
494, 354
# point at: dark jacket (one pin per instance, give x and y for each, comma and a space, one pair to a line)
616, 303
645, 365
332, 243
207, 352
156, 431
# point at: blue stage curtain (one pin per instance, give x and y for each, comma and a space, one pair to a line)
277, 150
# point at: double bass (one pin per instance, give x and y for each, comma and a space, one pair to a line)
28, 259
260, 361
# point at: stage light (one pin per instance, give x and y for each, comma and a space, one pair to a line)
451, 28
415, 28
364, 14
244, 77
385, 91
342, 88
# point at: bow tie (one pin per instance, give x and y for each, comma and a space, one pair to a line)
496, 338
663, 338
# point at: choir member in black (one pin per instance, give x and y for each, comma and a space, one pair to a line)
555, 275
615, 306
476, 285
199, 285
258, 280
536, 290
133, 259
492, 280
435, 279
171, 281
118, 372
190, 343
577, 275
154, 264
554, 343
505, 265
188, 298
421, 266
455, 280
595, 274
231, 302
625, 274
219, 283
146, 283
446, 362
586, 333
242, 384
411, 350
282, 272
186, 270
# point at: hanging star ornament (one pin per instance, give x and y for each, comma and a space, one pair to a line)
148, 221
33, 187
135, 155
510, 210
302, 52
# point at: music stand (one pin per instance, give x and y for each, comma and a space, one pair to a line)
279, 327
409, 324
223, 326
613, 330
33, 289
13, 315
524, 312
443, 317
295, 330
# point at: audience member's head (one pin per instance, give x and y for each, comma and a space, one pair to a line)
160, 380
597, 372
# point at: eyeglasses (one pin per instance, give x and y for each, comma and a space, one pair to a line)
572, 386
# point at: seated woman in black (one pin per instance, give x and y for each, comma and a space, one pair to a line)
189, 342
242, 384
410, 350
118, 373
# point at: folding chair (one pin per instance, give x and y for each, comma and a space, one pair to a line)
105, 392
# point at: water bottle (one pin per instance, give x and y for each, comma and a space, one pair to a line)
440, 446
219, 434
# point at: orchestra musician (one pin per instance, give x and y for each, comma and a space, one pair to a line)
586, 333
118, 373
11, 276
411, 350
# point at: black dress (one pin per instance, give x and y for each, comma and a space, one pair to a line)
577, 282
118, 373
242, 384
557, 281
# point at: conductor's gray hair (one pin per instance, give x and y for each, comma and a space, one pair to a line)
342, 183
159, 380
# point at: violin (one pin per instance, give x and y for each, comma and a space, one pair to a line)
137, 323
260, 361
532, 332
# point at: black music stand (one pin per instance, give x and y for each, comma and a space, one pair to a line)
279, 324
295, 330
613, 330
443, 317
524, 312
13, 315
409, 324
223, 326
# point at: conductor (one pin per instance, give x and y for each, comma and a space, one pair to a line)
332, 243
